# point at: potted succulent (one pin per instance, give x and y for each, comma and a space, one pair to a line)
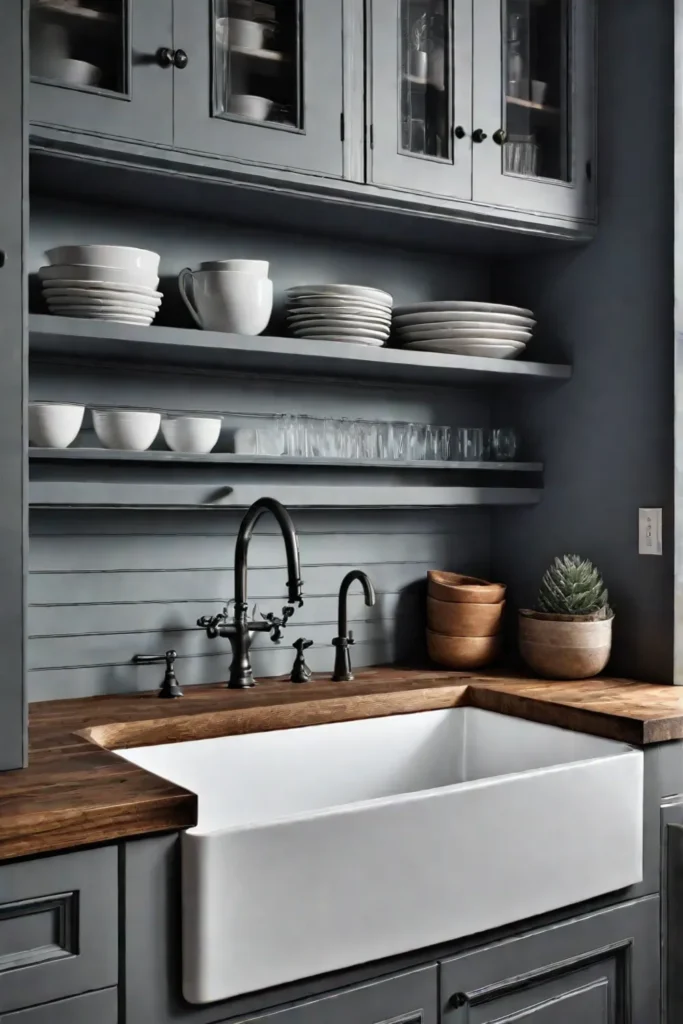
569, 636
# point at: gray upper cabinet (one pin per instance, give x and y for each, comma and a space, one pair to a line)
534, 106
264, 82
102, 66
420, 100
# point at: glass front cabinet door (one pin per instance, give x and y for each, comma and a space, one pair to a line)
266, 82
103, 66
421, 96
534, 106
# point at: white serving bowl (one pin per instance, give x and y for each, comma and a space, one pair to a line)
195, 434
119, 256
227, 300
259, 268
247, 35
91, 273
77, 72
256, 108
53, 425
130, 430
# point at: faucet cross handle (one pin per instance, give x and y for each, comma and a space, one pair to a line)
211, 623
277, 625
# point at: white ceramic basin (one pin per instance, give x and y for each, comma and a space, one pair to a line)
333, 845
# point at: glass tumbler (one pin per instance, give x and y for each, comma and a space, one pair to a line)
470, 444
504, 444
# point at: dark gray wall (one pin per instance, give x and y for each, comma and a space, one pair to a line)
13, 224
607, 437
104, 586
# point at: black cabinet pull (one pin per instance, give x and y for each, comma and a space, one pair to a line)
3, 257
478, 135
500, 137
167, 58
458, 1000
459, 132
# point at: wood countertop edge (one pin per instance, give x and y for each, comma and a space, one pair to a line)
77, 792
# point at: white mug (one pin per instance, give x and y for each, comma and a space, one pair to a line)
259, 268
227, 300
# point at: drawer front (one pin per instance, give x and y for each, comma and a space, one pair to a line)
93, 1008
58, 927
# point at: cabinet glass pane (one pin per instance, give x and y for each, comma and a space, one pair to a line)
537, 89
425, 107
80, 44
257, 62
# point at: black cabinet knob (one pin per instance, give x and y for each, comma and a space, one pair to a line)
459, 132
167, 58
500, 137
3, 258
478, 135
458, 1000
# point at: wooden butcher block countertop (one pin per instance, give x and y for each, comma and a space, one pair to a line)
77, 792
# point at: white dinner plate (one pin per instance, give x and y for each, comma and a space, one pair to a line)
463, 334
351, 313
495, 350
358, 290
476, 319
122, 318
460, 307
334, 322
97, 287
376, 342
354, 306
69, 300
339, 332
143, 314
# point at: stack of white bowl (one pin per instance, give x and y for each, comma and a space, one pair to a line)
339, 312
464, 328
102, 282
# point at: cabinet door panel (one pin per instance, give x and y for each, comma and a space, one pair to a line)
93, 1008
409, 998
534, 81
265, 88
599, 969
421, 87
94, 67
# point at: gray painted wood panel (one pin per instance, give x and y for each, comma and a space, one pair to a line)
100, 1007
607, 439
76, 897
102, 589
13, 234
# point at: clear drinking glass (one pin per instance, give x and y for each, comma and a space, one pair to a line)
470, 444
417, 442
504, 444
443, 444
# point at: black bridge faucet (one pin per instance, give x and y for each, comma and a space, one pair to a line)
342, 659
240, 630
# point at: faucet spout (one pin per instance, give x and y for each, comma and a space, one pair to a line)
284, 521
342, 661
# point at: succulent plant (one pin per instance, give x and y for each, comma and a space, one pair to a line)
573, 586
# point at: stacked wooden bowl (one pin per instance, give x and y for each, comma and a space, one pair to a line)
464, 620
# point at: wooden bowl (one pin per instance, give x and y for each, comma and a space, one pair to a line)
462, 618
452, 586
462, 652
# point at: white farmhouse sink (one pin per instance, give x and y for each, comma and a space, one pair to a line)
332, 845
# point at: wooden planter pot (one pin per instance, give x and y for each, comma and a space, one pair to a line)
564, 648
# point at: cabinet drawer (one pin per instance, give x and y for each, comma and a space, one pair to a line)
100, 1007
58, 927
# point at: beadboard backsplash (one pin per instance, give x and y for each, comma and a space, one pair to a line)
106, 585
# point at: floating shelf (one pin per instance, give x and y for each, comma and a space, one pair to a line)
97, 478
99, 340
229, 458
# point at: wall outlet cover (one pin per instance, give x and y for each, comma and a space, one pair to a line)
650, 531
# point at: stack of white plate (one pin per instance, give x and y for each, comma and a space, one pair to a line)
102, 282
339, 312
464, 328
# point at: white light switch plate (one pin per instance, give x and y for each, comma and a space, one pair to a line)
650, 531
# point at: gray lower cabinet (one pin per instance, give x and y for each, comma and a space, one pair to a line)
599, 969
92, 1008
99, 68
58, 928
409, 998
263, 93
